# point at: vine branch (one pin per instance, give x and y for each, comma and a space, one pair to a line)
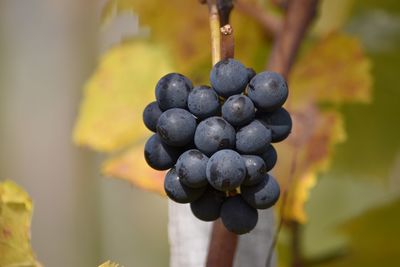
270, 23
299, 15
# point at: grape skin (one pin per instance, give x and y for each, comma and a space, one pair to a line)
270, 157
268, 91
208, 206
279, 122
229, 77
151, 114
176, 127
214, 134
238, 110
203, 102
238, 216
226, 170
172, 91
253, 138
191, 168
262, 195
179, 192
255, 169
158, 155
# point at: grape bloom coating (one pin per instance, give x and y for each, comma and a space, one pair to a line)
216, 141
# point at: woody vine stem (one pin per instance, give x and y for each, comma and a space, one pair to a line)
288, 35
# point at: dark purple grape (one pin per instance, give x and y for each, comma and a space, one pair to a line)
270, 157
208, 206
214, 134
226, 170
255, 169
172, 91
238, 110
191, 168
262, 195
203, 102
268, 91
238, 216
253, 138
229, 77
158, 155
176, 127
151, 114
179, 192
278, 121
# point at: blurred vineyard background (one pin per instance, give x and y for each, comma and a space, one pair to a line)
49, 49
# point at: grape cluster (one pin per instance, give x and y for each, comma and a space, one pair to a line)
216, 141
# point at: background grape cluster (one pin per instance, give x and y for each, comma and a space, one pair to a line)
216, 141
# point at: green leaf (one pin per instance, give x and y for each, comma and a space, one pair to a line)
15, 221
373, 238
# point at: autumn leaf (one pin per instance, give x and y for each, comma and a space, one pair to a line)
15, 221
188, 37
322, 75
335, 70
110, 116
305, 154
132, 166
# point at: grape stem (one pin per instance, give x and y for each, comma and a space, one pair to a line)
222, 248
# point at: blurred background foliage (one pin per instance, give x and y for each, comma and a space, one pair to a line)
344, 190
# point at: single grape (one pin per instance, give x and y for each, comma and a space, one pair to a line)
251, 73
191, 168
262, 195
268, 90
278, 121
229, 77
270, 157
226, 170
176, 127
179, 192
238, 110
253, 138
203, 102
238, 216
158, 155
172, 91
151, 114
214, 134
255, 169
208, 206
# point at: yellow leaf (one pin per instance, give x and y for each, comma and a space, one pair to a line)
188, 37
123, 84
332, 15
15, 220
305, 154
109, 264
334, 70
132, 166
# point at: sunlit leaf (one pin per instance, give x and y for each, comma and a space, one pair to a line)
334, 70
123, 84
332, 15
109, 264
15, 222
183, 26
374, 238
131, 165
305, 154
